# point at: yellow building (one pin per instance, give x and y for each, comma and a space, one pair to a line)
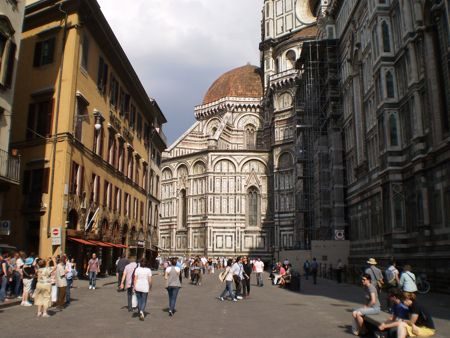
89, 136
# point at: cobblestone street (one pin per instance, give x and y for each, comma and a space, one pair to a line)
321, 310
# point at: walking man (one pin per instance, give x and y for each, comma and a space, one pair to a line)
259, 269
127, 281
93, 269
121, 264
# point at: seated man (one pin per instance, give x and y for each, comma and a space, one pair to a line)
399, 312
420, 324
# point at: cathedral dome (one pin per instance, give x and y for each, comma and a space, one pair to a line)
243, 82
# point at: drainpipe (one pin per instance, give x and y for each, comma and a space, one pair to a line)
57, 110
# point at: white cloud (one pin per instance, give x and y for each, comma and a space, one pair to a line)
179, 47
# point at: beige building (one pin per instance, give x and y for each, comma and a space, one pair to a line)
11, 18
89, 135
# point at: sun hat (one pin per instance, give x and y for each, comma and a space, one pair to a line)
372, 261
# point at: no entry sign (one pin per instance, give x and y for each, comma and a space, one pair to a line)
56, 235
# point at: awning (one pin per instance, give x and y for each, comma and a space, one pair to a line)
81, 241
103, 244
121, 246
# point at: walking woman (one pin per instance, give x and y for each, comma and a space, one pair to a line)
43, 292
142, 285
227, 276
172, 275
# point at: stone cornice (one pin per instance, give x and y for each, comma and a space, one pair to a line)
225, 104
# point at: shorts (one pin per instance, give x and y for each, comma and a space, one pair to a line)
27, 285
368, 310
421, 331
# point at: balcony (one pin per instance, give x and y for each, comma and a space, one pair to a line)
285, 78
9, 167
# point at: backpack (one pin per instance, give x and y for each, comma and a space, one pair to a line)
390, 276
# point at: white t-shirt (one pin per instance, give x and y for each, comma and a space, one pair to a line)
141, 275
259, 266
177, 269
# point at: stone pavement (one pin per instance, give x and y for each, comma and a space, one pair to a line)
321, 310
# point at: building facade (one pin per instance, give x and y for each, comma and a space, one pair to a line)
89, 136
228, 184
11, 19
393, 116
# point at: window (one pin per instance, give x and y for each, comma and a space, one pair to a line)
135, 208
113, 92
130, 164
102, 76
253, 206
127, 205
7, 58
107, 192
82, 113
118, 200
393, 130
112, 149
44, 52
40, 118
35, 183
386, 37
95, 189
141, 213
98, 141
132, 116
139, 126
121, 157
250, 137
390, 90
76, 179
85, 52
124, 103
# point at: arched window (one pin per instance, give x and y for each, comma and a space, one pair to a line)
183, 209
390, 91
290, 59
393, 130
253, 206
250, 137
386, 37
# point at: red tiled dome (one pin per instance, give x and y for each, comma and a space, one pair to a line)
244, 81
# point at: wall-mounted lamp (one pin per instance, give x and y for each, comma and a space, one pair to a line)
98, 120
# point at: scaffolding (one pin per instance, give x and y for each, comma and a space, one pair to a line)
318, 144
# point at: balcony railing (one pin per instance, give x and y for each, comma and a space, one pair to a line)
9, 167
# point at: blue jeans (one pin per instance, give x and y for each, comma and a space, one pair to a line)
130, 298
92, 278
3, 283
173, 294
259, 279
69, 285
142, 300
228, 290
17, 281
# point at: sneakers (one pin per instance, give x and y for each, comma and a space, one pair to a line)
239, 297
235, 300
93, 288
141, 315
90, 287
26, 304
45, 315
170, 313
221, 299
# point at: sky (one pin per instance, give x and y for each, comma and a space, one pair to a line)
179, 48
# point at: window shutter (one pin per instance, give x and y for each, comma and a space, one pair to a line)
45, 179
100, 74
105, 77
81, 186
100, 150
72, 178
37, 54
30, 123
26, 182
51, 50
10, 65
49, 118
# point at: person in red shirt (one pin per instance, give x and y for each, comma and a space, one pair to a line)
281, 273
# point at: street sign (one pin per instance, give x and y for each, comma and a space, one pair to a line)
56, 235
5, 227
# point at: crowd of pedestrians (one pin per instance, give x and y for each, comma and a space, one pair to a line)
42, 282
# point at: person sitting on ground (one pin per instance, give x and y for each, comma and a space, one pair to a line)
371, 306
281, 273
399, 312
286, 278
420, 324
